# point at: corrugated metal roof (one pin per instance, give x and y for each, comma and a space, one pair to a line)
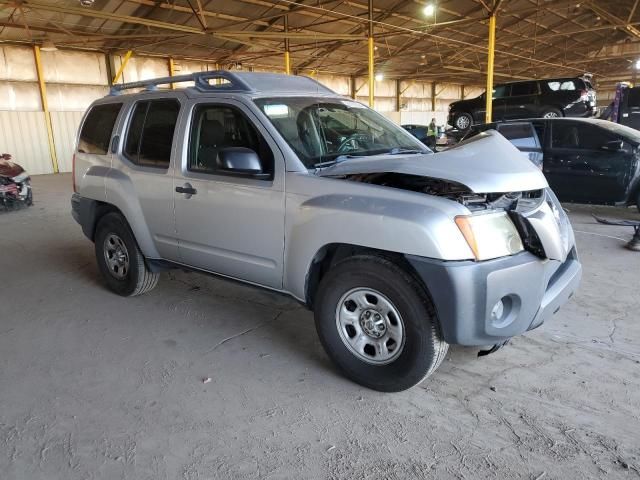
546, 37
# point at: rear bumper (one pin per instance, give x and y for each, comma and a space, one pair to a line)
465, 294
581, 110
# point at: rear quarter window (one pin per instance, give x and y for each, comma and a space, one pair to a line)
521, 135
95, 135
562, 85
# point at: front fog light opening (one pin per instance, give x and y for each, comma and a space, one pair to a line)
505, 311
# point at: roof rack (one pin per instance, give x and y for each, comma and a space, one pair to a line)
201, 79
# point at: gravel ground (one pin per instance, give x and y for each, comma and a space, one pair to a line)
96, 386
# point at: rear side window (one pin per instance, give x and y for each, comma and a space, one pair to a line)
562, 85
521, 135
150, 134
526, 88
97, 129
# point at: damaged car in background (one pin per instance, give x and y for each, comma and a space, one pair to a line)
15, 184
277, 181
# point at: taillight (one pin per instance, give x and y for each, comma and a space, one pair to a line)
584, 94
73, 173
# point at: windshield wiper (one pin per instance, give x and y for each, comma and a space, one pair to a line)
335, 161
404, 151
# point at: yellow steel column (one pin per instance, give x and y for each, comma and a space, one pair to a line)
45, 107
490, 60
371, 50
371, 74
172, 71
123, 64
287, 55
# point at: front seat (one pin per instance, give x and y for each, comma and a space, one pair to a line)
308, 134
211, 141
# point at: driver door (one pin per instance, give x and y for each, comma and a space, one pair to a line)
226, 223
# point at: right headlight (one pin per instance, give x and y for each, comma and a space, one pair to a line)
490, 235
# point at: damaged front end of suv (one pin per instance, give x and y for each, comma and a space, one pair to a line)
521, 264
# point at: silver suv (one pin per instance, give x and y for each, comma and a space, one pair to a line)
279, 182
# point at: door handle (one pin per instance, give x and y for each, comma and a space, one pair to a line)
187, 189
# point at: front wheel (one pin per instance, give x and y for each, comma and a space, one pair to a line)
119, 258
377, 324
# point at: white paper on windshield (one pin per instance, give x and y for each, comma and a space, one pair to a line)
351, 104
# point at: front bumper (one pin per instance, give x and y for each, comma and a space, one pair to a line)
465, 294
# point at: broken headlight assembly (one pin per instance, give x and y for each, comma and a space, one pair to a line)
490, 235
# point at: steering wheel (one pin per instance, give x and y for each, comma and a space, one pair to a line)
352, 142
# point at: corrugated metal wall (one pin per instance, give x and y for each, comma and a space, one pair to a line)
24, 135
65, 125
74, 79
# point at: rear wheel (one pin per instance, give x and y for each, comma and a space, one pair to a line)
377, 324
463, 121
119, 258
551, 113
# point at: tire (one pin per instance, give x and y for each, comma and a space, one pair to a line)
463, 121
119, 258
551, 113
417, 352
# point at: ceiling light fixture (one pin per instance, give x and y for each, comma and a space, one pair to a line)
379, 77
429, 10
638, 64
48, 46
87, 3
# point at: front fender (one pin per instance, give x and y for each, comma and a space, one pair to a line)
406, 226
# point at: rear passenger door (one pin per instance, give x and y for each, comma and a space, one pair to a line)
522, 101
229, 223
145, 159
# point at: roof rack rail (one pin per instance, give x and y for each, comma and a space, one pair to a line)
201, 79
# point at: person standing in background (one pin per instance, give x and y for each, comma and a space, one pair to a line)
432, 134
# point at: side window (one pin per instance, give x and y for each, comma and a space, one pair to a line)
216, 127
525, 88
150, 133
521, 135
97, 129
576, 136
501, 91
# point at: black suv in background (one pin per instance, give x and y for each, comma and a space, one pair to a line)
585, 160
550, 98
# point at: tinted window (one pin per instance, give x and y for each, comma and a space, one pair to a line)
520, 134
577, 136
216, 127
150, 133
501, 91
526, 88
633, 97
96, 131
562, 85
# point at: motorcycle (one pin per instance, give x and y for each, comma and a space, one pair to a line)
15, 184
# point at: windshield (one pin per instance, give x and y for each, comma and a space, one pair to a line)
322, 130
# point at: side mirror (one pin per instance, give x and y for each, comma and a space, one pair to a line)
240, 161
613, 146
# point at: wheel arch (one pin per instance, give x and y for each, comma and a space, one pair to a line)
330, 254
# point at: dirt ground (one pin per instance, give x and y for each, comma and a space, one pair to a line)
94, 386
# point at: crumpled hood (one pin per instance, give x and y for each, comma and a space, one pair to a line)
9, 169
486, 163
